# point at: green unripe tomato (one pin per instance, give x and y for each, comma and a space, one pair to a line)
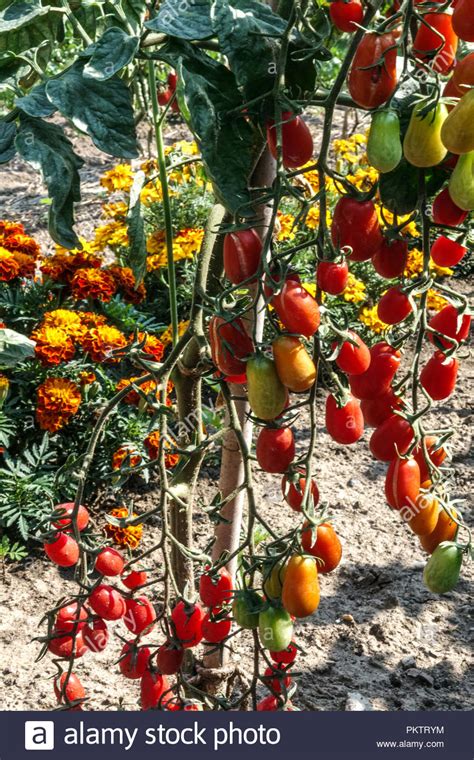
461, 184
266, 393
275, 629
441, 573
384, 146
246, 609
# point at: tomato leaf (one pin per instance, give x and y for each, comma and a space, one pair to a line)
110, 54
136, 230
135, 11
36, 103
46, 147
189, 21
101, 109
25, 26
7, 141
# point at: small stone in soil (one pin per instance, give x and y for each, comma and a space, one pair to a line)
419, 675
408, 662
395, 680
356, 702
347, 619
378, 632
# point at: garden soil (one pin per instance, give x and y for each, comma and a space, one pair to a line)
379, 640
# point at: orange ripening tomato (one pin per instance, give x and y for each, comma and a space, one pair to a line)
355, 225
353, 358
437, 45
297, 309
296, 140
294, 365
394, 435
437, 455
300, 595
445, 530
463, 20
373, 75
326, 547
242, 255
275, 449
293, 491
384, 362
230, 345
402, 483
424, 517
345, 424
438, 377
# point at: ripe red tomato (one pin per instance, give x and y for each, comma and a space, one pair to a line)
394, 306
71, 617
169, 658
344, 424
172, 80
187, 620
215, 588
293, 491
326, 546
437, 455
332, 278
134, 660
64, 512
216, 626
353, 359
377, 410
297, 309
109, 561
63, 550
96, 635
174, 705
69, 689
463, 21
391, 258
153, 690
345, 15
107, 602
384, 362
287, 656
449, 322
296, 140
242, 255
373, 75
135, 579
230, 345
275, 449
355, 225
68, 645
446, 252
438, 376
140, 615
395, 434
428, 45
445, 210
402, 483
277, 679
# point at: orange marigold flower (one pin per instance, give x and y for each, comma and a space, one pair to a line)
10, 228
53, 345
58, 401
9, 267
93, 283
87, 378
152, 445
26, 263
69, 321
100, 342
134, 397
22, 243
127, 455
152, 346
125, 281
91, 319
130, 535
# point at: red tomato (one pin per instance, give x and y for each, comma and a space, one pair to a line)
275, 449
332, 278
463, 74
438, 376
345, 15
449, 322
294, 492
153, 690
69, 689
135, 579
393, 307
172, 80
344, 424
463, 20
395, 434
187, 620
216, 626
107, 602
133, 660
287, 656
297, 309
436, 46
436, 454
63, 551
67, 646
296, 140
64, 512
109, 562
71, 617
230, 345
355, 225
164, 97
215, 588
445, 210
96, 635
326, 546
446, 252
242, 255
169, 658
377, 410
277, 679
140, 615
178, 704
391, 258
376, 381
402, 483
353, 359
373, 75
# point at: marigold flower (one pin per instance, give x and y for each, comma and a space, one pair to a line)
21, 243
185, 246
369, 316
153, 346
151, 193
93, 283
120, 177
91, 319
58, 400
113, 234
285, 227
166, 337
87, 378
10, 228
435, 301
134, 397
70, 322
4, 387
116, 210
126, 283
62, 265
126, 454
26, 263
9, 267
101, 342
129, 536
53, 345
152, 445
355, 291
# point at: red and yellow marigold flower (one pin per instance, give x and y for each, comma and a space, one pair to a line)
53, 345
101, 342
126, 284
147, 388
127, 455
22, 244
62, 265
129, 536
10, 228
152, 445
58, 401
71, 322
9, 267
93, 283
26, 263
87, 378
153, 346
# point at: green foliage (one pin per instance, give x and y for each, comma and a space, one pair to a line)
14, 552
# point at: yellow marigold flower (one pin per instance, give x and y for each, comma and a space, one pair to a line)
368, 316
53, 346
68, 321
386, 217
81, 255
125, 455
167, 336
355, 290
285, 224
9, 267
115, 210
112, 234
129, 536
93, 283
414, 265
4, 387
58, 401
185, 246
435, 301
87, 378
364, 179
101, 342
118, 178
91, 319
151, 193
